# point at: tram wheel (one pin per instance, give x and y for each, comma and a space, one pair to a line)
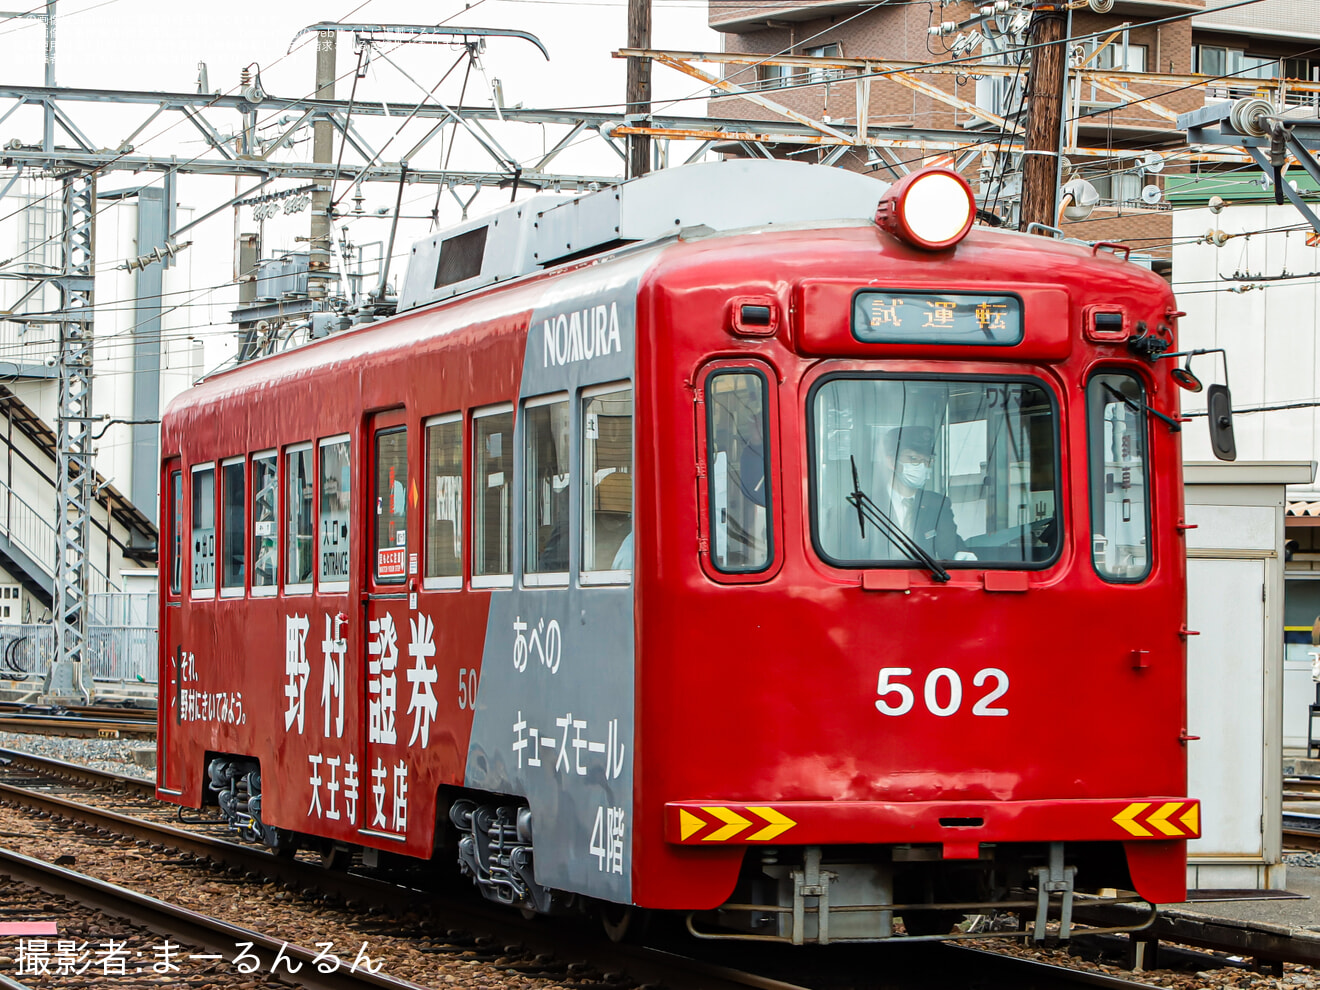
336, 856
616, 920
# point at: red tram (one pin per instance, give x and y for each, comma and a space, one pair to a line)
713, 543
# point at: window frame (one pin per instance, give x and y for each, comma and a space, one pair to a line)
254, 589
174, 520
1060, 503
815, 75
452, 582
609, 576
377, 433
774, 518
238, 590
547, 579
1117, 47
1091, 375
502, 580
332, 587
195, 593
285, 530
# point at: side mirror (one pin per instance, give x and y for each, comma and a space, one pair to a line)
1219, 407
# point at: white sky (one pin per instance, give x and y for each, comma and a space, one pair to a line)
157, 45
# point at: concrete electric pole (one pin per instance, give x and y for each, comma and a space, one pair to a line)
323, 152
1040, 155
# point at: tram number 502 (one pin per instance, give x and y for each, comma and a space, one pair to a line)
942, 692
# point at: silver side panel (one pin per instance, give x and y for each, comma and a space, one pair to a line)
554, 722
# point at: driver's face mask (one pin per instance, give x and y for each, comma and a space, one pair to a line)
916, 474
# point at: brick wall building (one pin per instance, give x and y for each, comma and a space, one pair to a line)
1109, 122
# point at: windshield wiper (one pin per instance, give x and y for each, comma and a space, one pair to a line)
1140, 406
867, 509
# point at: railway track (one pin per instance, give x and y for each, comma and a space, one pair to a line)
1301, 831
446, 927
139, 944
1301, 788
88, 722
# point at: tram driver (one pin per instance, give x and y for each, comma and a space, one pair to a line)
906, 455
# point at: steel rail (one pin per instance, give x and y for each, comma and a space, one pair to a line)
1033, 969
188, 926
92, 711
76, 771
55, 725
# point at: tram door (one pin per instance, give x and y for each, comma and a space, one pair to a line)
168, 776
391, 578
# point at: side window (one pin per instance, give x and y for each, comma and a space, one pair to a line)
1120, 494
607, 486
298, 517
203, 530
444, 501
392, 505
492, 484
336, 486
233, 532
738, 468
265, 522
546, 470
176, 532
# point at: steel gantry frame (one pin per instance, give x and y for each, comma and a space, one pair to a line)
74, 464
798, 129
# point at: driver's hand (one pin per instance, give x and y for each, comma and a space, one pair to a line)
964, 555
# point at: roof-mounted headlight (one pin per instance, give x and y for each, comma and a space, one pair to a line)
931, 209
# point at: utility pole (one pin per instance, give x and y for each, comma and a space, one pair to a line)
639, 86
1040, 155
48, 122
322, 153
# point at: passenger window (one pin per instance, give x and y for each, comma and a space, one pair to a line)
392, 505
298, 517
607, 487
444, 500
546, 436
1120, 494
233, 535
492, 482
332, 568
176, 532
203, 529
738, 464
265, 531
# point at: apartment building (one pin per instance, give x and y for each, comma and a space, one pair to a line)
1120, 130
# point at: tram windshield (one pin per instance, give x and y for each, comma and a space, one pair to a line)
965, 469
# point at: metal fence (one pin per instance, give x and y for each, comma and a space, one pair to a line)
121, 642
30, 531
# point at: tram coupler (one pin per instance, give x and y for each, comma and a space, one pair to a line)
1054, 879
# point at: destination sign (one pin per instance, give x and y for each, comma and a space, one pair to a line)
884, 317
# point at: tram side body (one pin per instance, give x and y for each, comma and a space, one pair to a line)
686, 694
